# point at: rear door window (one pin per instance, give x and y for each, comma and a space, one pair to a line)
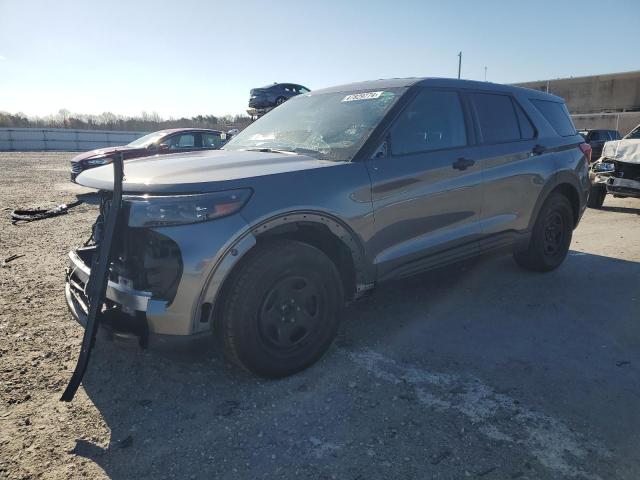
497, 118
211, 140
182, 141
434, 120
557, 115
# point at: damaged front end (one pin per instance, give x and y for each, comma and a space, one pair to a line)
624, 181
96, 282
112, 279
619, 168
145, 265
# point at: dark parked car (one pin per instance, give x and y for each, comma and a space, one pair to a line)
163, 141
327, 196
597, 138
273, 95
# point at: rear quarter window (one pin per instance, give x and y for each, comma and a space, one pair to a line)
557, 115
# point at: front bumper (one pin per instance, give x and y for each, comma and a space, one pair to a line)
205, 265
261, 102
126, 316
623, 187
599, 178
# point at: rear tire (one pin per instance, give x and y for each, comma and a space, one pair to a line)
597, 194
282, 309
551, 236
280, 101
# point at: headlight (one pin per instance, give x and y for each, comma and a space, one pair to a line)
159, 211
603, 167
98, 161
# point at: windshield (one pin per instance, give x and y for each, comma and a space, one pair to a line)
329, 126
634, 134
147, 139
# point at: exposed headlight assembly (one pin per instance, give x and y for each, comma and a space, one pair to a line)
161, 211
98, 161
603, 167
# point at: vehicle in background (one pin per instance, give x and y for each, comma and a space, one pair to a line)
330, 194
597, 138
274, 95
231, 133
172, 140
618, 170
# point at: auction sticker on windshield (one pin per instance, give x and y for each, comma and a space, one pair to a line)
362, 96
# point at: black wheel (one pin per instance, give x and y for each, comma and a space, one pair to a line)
551, 236
282, 309
280, 100
597, 194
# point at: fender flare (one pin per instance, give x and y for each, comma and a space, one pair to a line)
247, 239
559, 178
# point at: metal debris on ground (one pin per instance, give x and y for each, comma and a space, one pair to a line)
11, 259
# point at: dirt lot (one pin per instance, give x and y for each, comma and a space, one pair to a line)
482, 371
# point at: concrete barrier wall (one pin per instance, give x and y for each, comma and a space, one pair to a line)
26, 139
624, 122
597, 93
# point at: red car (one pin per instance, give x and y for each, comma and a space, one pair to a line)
163, 141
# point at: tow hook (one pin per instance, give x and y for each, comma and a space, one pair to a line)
97, 282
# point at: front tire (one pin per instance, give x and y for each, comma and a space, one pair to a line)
597, 194
282, 309
551, 236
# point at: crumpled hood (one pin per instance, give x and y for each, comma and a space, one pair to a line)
622, 150
101, 152
197, 171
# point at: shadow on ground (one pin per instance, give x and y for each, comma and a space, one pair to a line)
401, 392
621, 209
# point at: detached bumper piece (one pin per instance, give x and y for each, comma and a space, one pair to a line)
97, 282
119, 298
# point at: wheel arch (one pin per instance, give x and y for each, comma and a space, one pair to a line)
327, 233
568, 186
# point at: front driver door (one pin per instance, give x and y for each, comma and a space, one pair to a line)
426, 187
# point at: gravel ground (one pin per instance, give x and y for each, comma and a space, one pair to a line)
482, 370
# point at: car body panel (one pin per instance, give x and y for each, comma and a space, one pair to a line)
200, 171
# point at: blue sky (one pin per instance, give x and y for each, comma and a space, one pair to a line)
202, 57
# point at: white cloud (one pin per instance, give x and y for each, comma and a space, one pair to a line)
2, 57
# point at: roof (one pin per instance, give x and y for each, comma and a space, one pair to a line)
186, 129
435, 82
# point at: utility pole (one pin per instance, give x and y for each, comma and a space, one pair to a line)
485, 73
459, 64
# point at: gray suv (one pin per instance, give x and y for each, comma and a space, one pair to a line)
329, 195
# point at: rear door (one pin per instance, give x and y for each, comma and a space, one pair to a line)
211, 140
512, 161
426, 188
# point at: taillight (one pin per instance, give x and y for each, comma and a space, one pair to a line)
586, 149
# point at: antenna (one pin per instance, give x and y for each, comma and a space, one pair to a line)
459, 64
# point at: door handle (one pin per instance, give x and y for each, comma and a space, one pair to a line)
538, 149
463, 163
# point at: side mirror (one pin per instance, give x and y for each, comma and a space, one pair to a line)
163, 146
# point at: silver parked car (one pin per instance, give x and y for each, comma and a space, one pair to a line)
327, 196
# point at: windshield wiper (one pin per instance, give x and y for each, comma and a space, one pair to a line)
295, 151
